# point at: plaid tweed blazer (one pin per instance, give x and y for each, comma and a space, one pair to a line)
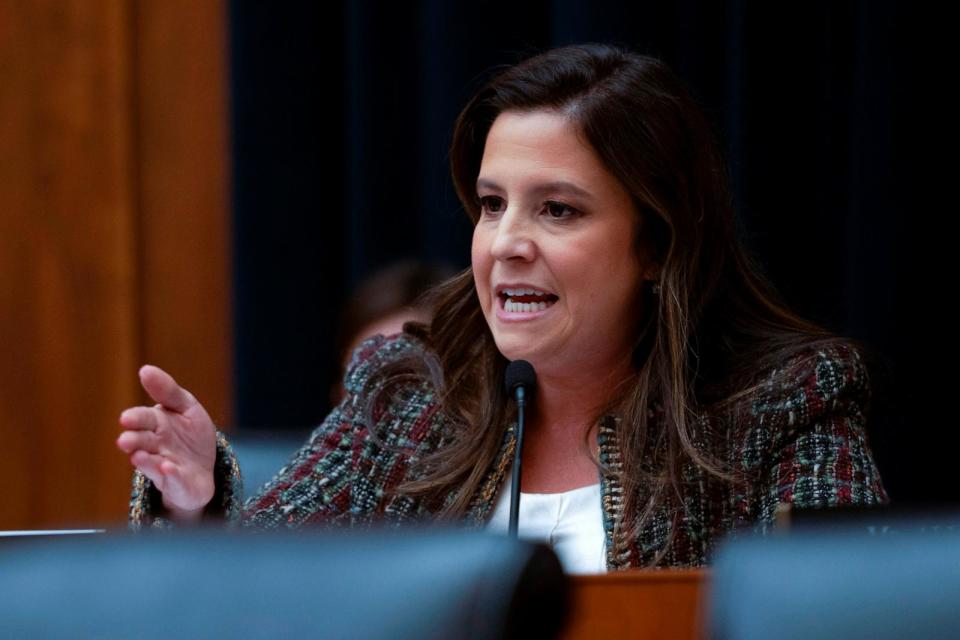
800, 436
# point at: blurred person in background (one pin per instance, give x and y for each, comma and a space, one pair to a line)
381, 304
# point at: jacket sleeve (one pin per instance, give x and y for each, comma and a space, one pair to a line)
325, 481
809, 445
146, 507
315, 485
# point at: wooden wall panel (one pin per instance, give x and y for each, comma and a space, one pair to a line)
67, 280
76, 182
182, 134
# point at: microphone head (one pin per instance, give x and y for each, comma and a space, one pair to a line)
520, 373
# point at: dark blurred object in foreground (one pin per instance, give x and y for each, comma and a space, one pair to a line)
270, 585
875, 578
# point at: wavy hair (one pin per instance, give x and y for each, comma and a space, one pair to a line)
716, 323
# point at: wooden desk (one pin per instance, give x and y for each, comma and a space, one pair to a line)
637, 604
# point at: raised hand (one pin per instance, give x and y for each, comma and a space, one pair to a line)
174, 444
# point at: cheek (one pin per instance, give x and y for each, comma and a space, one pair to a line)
480, 263
605, 277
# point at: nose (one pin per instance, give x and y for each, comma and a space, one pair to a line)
514, 238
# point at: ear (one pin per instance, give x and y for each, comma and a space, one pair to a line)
651, 271
647, 253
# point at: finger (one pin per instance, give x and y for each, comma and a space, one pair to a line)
164, 389
130, 441
149, 464
140, 418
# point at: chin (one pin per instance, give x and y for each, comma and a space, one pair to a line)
517, 349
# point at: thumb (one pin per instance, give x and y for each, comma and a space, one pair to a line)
161, 386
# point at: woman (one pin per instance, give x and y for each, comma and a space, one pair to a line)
604, 253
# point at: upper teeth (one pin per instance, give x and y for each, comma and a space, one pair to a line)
523, 292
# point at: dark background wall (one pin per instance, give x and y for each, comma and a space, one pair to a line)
831, 113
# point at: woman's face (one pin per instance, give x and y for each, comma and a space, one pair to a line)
554, 257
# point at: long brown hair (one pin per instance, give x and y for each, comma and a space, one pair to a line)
714, 325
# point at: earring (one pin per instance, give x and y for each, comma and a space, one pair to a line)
655, 288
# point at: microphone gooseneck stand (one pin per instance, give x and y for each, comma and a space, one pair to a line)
521, 380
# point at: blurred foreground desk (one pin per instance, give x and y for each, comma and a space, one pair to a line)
637, 604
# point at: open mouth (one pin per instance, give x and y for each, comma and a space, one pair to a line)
525, 300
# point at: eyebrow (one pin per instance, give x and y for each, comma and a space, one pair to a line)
555, 186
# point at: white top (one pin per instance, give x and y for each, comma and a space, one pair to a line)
571, 522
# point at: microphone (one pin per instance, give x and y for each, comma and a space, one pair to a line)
521, 381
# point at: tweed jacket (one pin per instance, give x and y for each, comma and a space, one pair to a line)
801, 436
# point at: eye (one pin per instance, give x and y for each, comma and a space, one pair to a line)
491, 204
559, 211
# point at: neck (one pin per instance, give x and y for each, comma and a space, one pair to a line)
567, 402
